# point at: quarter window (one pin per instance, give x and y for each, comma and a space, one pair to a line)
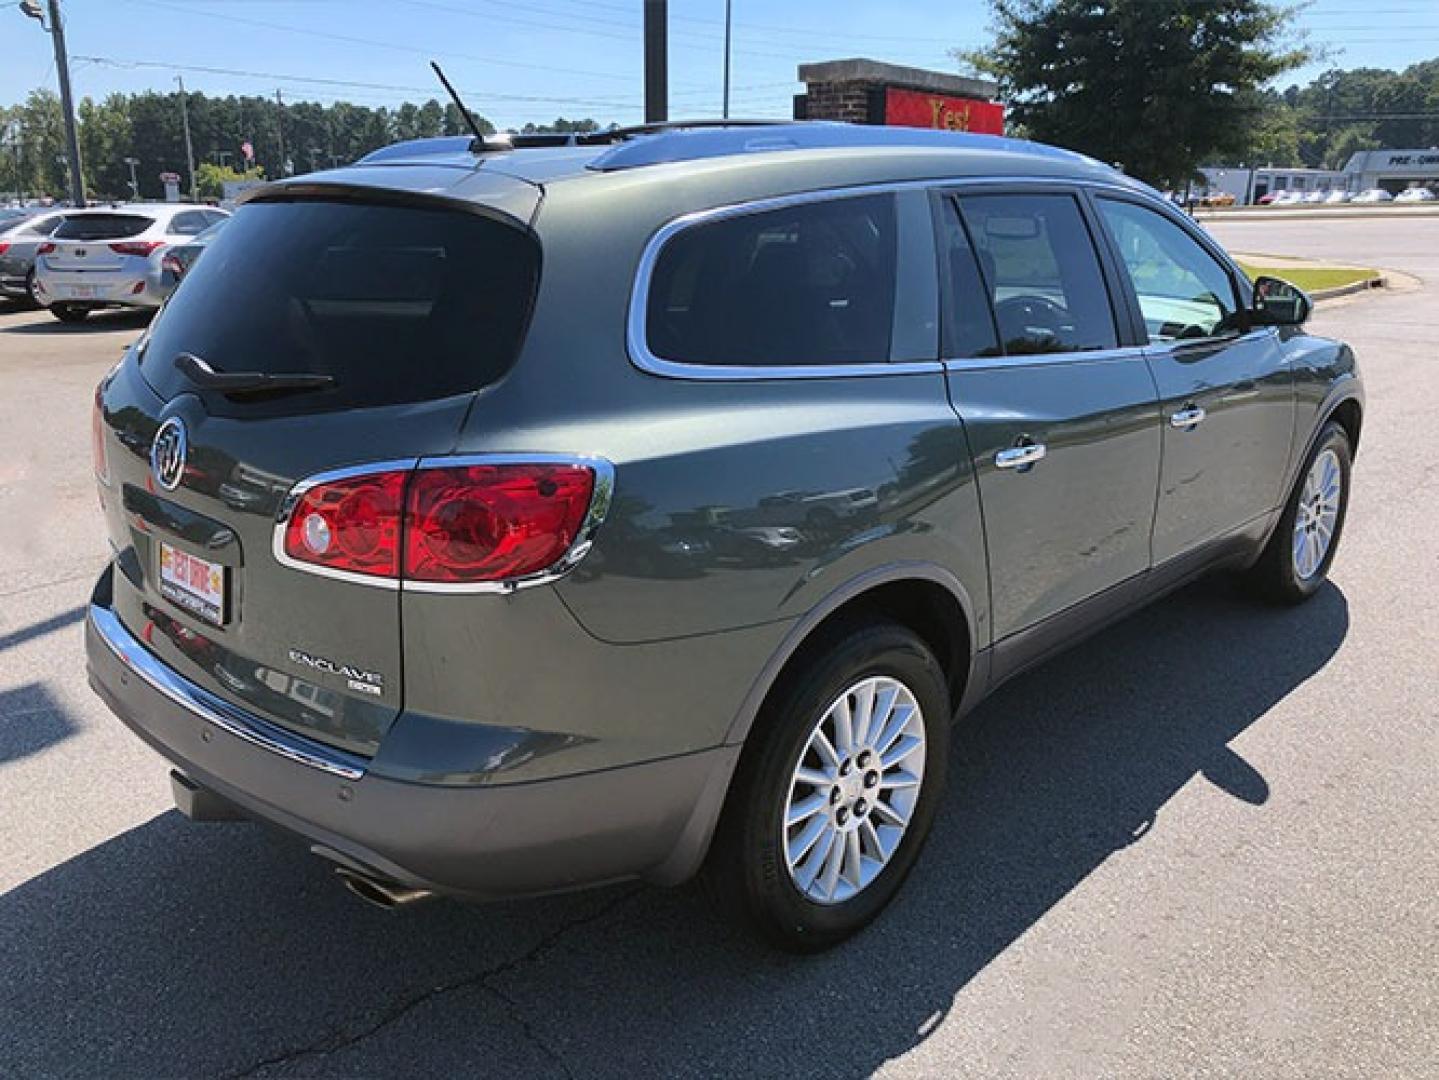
1041, 273
811, 283
969, 323
1183, 291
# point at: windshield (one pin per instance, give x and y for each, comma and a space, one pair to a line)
396, 304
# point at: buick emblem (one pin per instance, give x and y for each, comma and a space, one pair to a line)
167, 453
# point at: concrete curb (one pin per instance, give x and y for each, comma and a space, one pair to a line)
1320, 295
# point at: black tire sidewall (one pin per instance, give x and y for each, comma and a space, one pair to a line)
775, 904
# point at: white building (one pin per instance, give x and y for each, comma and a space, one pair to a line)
1250, 185
1393, 170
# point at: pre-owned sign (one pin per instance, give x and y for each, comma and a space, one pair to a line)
915, 108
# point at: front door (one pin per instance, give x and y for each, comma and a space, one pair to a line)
1062, 423
1226, 395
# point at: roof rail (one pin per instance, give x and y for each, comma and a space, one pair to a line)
694, 142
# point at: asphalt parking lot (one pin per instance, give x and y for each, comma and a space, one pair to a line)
1205, 842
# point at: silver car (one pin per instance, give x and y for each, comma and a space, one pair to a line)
20, 238
111, 257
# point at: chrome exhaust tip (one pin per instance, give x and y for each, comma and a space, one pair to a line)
383, 894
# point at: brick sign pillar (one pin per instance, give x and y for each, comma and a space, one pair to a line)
869, 92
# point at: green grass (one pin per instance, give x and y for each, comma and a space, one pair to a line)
1313, 278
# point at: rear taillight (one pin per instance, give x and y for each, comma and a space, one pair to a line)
97, 440
45, 249
4, 247
143, 248
486, 522
350, 524
475, 523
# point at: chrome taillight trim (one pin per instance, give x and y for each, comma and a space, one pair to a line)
216, 710
599, 507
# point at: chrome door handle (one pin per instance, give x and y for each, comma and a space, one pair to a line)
1188, 417
1017, 457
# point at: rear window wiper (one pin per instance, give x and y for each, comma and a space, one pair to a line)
238, 383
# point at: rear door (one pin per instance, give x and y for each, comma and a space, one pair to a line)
1062, 420
1226, 391
409, 310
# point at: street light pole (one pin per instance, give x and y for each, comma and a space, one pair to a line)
727, 6
656, 32
67, 103
134, 182
189, 150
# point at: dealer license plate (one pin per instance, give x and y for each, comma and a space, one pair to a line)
80, 292
195, 584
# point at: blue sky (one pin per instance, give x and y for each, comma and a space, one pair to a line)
533, 60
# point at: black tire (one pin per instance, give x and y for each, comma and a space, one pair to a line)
69, 313
1275, 577
30, 292
747, 873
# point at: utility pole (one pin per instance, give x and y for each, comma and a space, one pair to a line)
280, 130
56, 30
657, 108
727, 5
134, 182
189, 150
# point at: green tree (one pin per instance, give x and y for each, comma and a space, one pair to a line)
1156, 86
211, 178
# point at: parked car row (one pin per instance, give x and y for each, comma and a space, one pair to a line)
76, 261
1336, 196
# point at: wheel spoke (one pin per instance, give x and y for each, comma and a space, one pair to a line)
890, 815
806, 808
853, 859
901, 749
833, 864
805, 775
806, 874
800, 846
863, 713
871, 837
824, 748
898, 778
843, 725
898, 721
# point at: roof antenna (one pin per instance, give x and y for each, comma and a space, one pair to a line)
470, 120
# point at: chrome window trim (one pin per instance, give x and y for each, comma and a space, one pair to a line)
599, 507
1091, 356
216, 710
636, 333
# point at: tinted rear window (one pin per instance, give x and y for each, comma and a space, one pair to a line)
806, 284
102, 227
398, 304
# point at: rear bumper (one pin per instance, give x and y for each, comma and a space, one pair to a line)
651, 820
100, 289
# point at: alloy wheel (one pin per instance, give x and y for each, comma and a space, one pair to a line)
1318, 514
854, 790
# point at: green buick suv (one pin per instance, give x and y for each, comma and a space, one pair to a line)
511, 516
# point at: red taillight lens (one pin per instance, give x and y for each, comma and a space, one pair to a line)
4, 247
45, 249
480, 523
136, 247
351, 525
97, 440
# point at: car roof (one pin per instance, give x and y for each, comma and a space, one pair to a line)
793, 156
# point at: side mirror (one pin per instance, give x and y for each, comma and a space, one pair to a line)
1278, 303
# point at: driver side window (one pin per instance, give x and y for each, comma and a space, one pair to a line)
1184, 294
1041, 273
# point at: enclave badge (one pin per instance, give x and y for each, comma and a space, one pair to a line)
366, 682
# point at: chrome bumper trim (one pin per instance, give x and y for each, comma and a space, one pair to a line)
217, 710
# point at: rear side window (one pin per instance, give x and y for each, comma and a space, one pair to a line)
811, 283
189, 223
397, 304
968, 323
1041, 273
102, 227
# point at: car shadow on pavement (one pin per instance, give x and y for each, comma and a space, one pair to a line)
227, 950
99, 322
